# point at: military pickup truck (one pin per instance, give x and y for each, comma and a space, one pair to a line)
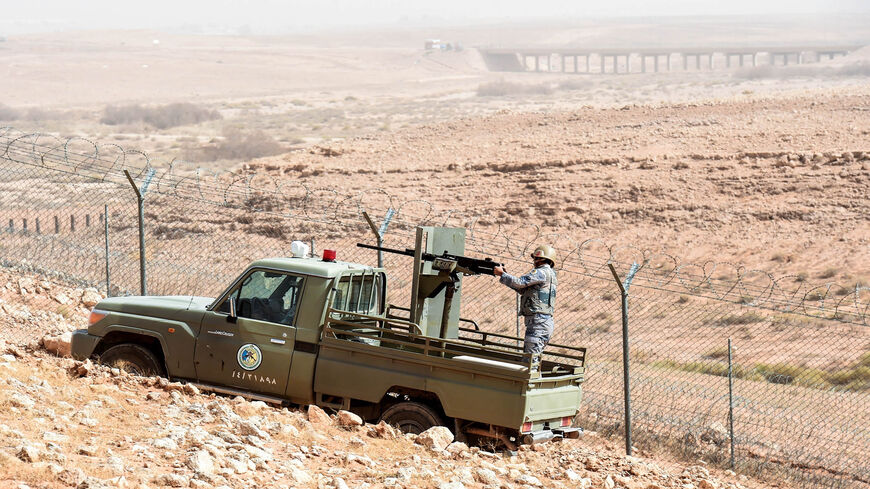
307, 330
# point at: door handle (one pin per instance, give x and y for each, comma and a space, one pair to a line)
277, 341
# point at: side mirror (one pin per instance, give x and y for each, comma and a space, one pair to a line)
233, 315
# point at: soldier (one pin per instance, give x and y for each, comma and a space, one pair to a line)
537, 291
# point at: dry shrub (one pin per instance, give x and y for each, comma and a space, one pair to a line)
803, 71
238, 146
504, 88
32, 114
160, 117
578, 84
8, 113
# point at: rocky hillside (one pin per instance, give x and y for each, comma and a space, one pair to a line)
73, 424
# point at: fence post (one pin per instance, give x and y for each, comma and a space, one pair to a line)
380, 231
623, 290
140, 200
731, 403
106, 224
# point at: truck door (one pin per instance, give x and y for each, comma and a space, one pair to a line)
255, 352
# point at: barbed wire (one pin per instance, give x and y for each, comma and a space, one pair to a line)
285, 198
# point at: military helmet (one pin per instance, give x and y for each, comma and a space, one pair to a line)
546, 252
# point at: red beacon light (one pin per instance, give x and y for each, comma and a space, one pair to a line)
328, 255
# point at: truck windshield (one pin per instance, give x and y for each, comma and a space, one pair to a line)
360, 293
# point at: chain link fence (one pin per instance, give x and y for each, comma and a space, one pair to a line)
799, 363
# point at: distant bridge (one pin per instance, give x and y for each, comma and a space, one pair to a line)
628, 60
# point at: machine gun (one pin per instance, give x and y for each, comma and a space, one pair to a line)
447, 262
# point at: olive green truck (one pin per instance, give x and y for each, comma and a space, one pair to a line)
308, 330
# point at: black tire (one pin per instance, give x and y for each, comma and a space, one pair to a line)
134, 359
411, 417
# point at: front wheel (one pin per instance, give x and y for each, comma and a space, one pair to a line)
134, 359
411, 417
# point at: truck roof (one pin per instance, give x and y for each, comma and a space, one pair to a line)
310, 266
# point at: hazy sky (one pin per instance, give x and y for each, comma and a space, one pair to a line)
274, 16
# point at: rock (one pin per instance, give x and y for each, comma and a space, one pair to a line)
201, 462
705, 484
383, 430
258, 453
88, 421
250, 428
300, 475
164, 443
191, 390
406, 473
592, 463
317, 415
237, 466
90, 297
83, 369
435, 438
26, 285
348, 419
531, 480
22, 401
571, 475
458, 448
339, 483
61, 298
173, 387
697, 472
59, 345
115, 464
72, 477
88, 450
487, 477
451, 485
638, 469
28, 453
172, 480
609, 483
716, 433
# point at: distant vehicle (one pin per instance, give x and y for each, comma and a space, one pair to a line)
319, 331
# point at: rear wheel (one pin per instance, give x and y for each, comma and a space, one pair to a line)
132, 358
411, 417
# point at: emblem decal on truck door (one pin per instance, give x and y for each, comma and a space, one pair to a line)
249, 356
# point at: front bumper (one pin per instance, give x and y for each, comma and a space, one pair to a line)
83, 344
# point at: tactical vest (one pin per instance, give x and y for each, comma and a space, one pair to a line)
540, 299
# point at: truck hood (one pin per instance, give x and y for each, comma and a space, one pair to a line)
155, 306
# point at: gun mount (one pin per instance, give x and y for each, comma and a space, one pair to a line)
437, 278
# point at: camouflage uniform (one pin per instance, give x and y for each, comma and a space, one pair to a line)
537, 291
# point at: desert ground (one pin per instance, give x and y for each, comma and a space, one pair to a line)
762, 169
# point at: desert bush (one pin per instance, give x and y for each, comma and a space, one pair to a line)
717, 353
8, 113
32, 114
160, 117
504, 88
747, 317
237, 146
828, 273
803, 71
578, 84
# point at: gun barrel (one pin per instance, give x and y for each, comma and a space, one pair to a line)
472, 265
388, 250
